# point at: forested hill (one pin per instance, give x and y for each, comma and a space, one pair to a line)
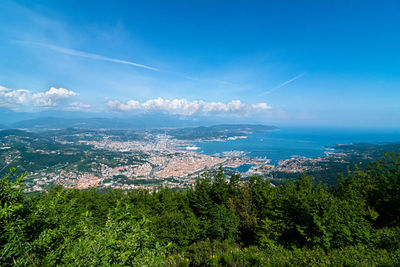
221, 222
219, 131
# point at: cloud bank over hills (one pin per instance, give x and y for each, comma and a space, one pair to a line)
64, 99
56, 102
25, 99
189, 108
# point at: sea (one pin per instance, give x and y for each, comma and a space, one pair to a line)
289, 142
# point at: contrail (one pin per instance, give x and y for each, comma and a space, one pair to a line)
283, 84
78, 53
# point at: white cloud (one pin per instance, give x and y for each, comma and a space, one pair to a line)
189, 108
26, 99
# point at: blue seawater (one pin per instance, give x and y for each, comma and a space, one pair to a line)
301, 141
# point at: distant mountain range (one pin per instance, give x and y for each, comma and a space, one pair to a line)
54, 119
91, 120
139, 122
219, 131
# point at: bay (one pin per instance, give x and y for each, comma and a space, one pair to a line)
289, 142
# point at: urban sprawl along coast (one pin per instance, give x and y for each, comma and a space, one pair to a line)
76, 158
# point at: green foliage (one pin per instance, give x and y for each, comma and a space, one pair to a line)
241, 203
12, 218
221, 222
379, 186
207, 253
125, 242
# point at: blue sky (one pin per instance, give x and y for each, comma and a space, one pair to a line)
333, 63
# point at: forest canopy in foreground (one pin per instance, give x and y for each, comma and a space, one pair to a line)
220, 222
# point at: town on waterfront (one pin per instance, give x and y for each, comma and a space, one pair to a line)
148, 159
